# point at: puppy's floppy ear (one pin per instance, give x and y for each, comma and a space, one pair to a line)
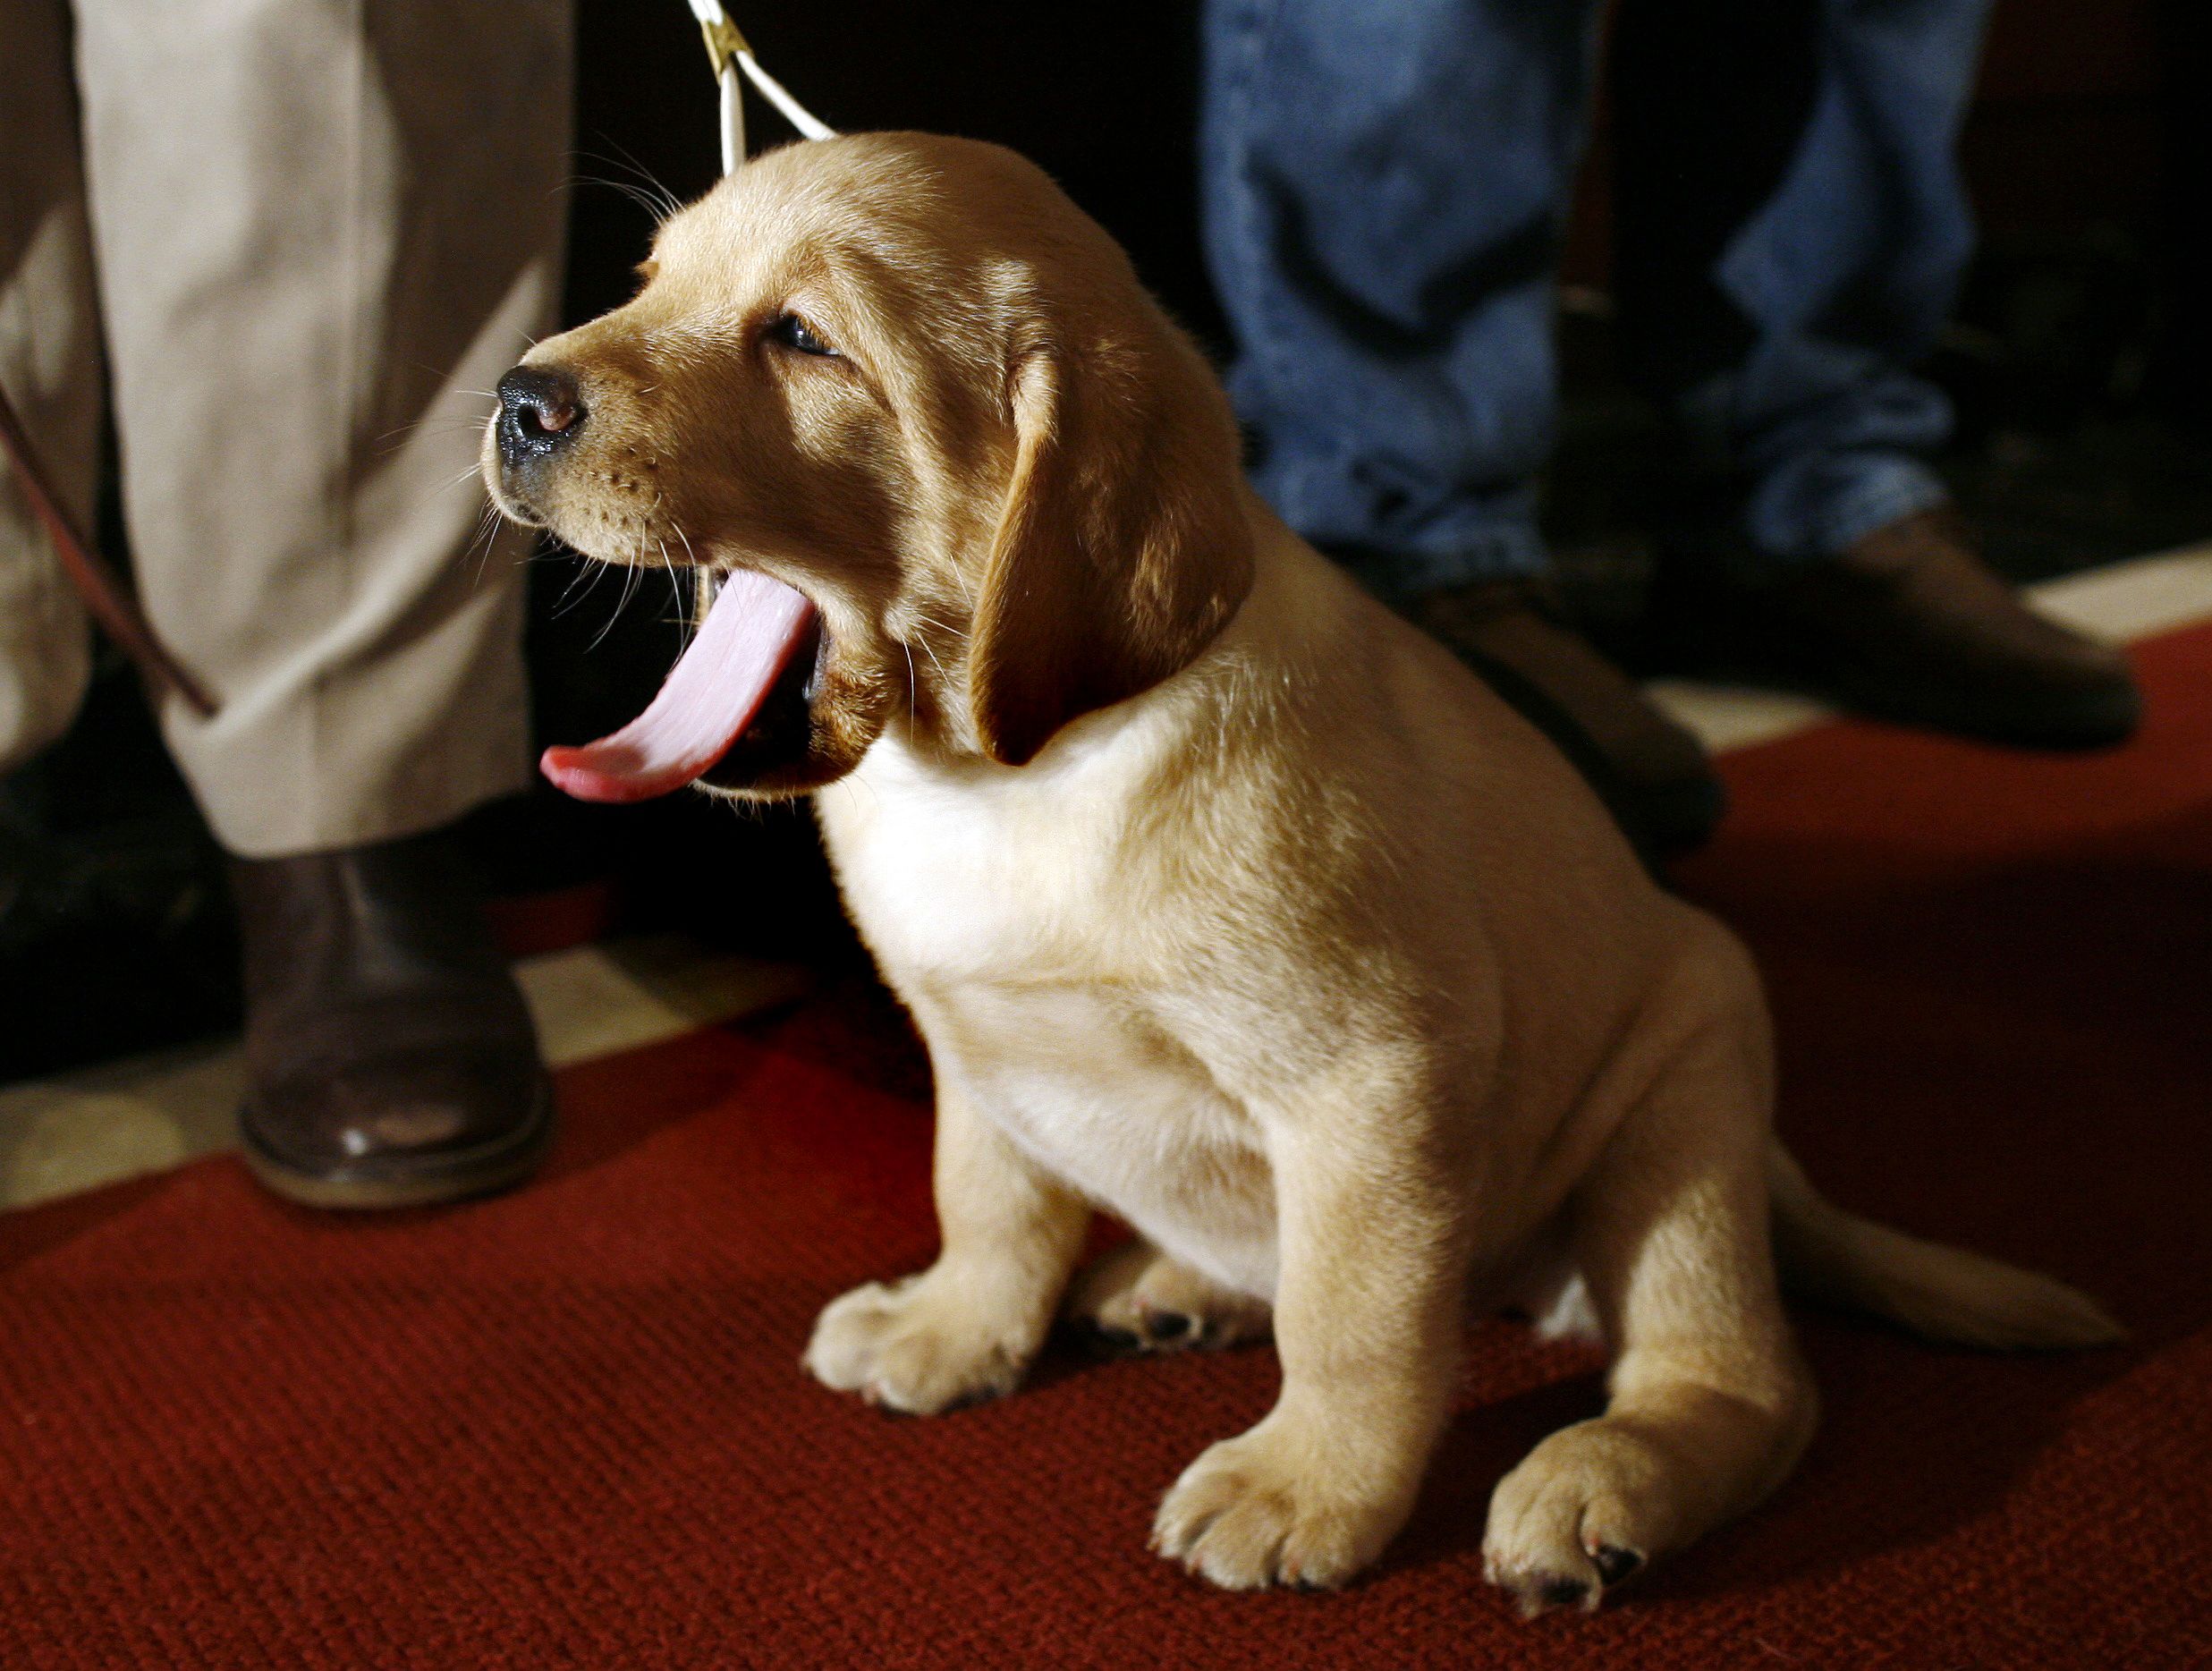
1121, 548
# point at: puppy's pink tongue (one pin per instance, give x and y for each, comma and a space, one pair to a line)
709, 699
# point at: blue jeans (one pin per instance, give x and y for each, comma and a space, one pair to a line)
1386, 183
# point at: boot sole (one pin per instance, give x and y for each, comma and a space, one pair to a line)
1710, 637
2074, 724
2069, 724
485, 1170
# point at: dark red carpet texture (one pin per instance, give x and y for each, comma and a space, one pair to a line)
568, 1428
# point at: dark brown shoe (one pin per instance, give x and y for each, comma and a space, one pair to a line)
1910, 625
390, 1059
1651, 772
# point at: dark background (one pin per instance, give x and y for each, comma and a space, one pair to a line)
2079, 361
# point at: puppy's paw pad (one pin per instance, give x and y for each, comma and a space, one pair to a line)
1536, 1591
1136, 1299
1615, 1565
1542, 1574
1244, 1516
1579, 1516
914, 1346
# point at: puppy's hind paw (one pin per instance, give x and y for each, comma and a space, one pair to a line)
1137, 1299
919, 1346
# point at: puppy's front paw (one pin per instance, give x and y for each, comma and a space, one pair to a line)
1584, 1511
1272, 1508
919, 1345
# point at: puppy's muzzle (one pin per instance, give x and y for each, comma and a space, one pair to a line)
541, 412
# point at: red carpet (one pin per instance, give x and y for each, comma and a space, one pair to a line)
568, 1428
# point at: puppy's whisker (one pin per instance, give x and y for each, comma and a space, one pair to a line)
445, 389
628, 159
486, 535
589, 576
643, 199
622, 600
934, 662
655, 199
950, 631
561, 605
675, 588
630, 188
434, 423
698, 570
432, 495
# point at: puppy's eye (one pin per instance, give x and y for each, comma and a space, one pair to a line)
794, 331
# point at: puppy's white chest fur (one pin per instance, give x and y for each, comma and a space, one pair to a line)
987, 905
1102, 1096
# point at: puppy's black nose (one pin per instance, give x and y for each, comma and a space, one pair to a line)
539, 410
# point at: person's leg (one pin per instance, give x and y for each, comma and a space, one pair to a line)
1385, 190
1790, 241
311, 275
1793, 234
303, 286
50, 368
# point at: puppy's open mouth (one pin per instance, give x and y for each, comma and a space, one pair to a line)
736, 698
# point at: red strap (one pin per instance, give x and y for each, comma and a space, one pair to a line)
101, 588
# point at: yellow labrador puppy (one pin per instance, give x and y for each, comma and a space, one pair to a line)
1226, 902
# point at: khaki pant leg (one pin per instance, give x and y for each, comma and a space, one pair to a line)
49, 366
323, 230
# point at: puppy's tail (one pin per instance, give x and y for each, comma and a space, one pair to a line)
1941, 1293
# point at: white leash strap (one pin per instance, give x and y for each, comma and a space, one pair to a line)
730, 52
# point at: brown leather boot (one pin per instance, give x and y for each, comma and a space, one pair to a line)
1652, 773
1910, 625
390, 1059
